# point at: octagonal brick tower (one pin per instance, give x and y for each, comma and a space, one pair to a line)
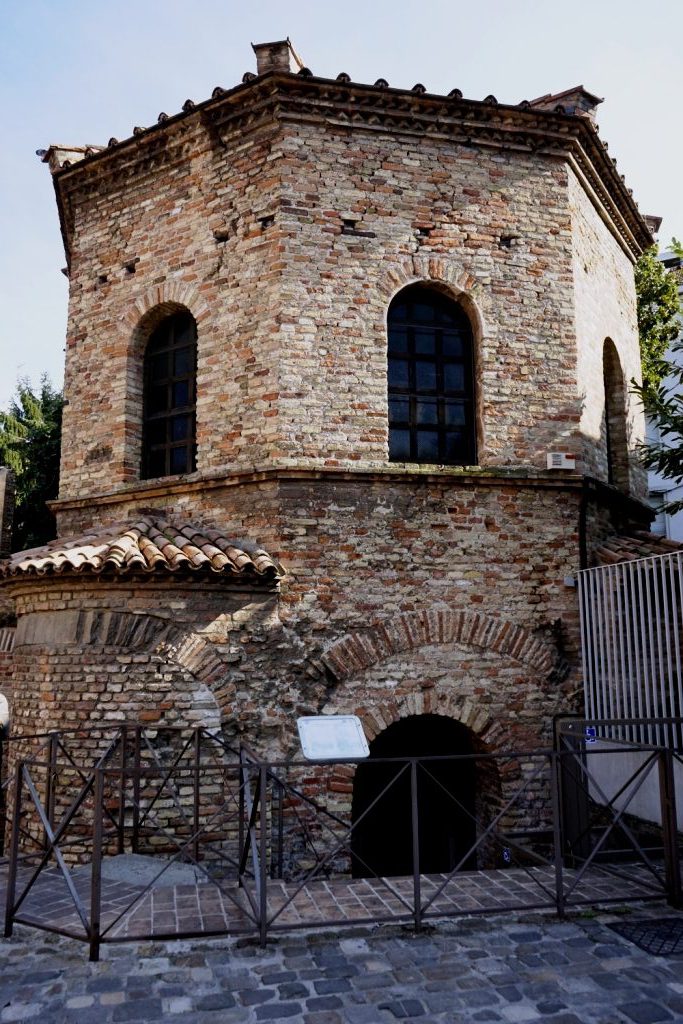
403, 326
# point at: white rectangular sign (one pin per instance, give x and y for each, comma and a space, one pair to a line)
332, 738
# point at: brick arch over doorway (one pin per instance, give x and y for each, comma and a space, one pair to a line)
350, 657
406, 631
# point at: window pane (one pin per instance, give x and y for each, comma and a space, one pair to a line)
183, 362
156, 431
452, 344
179, 461
454, 414
446, 315
426, 411
184, 331
181, 393
399, 410
427, 446
456, 447
423, 312
399, 445
454, 377
398, 373
158, 368
398, 339
157, 399
425, 376
180, 428
425, 342
399, 311
156, 463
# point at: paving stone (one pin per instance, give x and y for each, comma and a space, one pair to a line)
427, 978
645, 1013
323, 1003
278, 1011
216, 1001
141, 1009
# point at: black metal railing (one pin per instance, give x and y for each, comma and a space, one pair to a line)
231, 842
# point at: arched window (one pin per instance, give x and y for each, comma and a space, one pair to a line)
431, 381
168, 429
616, 442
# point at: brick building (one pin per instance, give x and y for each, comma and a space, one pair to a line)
325, 341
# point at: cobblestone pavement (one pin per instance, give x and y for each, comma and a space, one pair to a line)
510, 969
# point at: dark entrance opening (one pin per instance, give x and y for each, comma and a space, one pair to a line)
382, 840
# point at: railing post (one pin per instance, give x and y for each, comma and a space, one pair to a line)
667, 797
96, 869
555, 784
263, 853
415, 823
197, 758
14, 853
121, 839
51, 773
241, 783
136, 789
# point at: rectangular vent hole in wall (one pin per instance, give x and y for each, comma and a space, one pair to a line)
507, 241
101, 278
423, 232
348, 226
131, 265
266, 221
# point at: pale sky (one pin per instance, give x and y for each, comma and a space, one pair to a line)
79, 71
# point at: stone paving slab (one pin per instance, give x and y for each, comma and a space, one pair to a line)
133, 911
509, 969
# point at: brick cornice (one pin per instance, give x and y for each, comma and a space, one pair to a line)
274, 98
468, 477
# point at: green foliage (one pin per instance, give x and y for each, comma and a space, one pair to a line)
663, 402
658, 324
29, 445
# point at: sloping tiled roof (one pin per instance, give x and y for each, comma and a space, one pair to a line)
149, 544
639, 544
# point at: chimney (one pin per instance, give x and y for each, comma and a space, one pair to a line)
653, 222
273, 56
6, 510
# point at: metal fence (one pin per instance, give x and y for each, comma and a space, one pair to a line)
631, 640
233, 843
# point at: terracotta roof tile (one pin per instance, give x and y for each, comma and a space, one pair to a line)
149, 544
639, 544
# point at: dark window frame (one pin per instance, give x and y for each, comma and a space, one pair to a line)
165, 418
421, 318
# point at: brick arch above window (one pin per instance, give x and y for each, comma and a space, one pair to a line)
156, 303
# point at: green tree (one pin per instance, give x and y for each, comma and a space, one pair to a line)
658, 324
29, 445
662, 390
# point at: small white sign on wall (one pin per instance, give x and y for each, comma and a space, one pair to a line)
332, 738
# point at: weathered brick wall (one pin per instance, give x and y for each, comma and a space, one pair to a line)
7, 635
160, 222
336, 287
605, 307
359, 556
291, 309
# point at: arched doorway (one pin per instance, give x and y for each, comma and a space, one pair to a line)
446, 790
